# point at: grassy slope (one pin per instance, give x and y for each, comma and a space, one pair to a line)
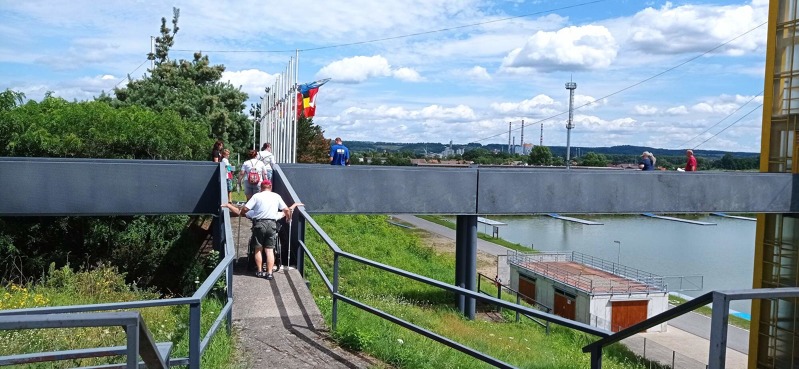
522, 344
64, 287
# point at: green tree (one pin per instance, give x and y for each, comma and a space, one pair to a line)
10, 99
55, 127
540, 156
593, 159
312, 146
192, 88
475, 154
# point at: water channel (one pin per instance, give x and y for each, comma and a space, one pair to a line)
722, 253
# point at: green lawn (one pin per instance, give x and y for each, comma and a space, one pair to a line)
480, 235
523, 344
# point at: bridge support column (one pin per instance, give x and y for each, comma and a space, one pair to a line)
466, 261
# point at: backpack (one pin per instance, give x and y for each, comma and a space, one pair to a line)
254, 177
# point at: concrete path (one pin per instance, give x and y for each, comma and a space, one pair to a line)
686, 341
278, 323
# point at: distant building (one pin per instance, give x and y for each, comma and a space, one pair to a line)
588, 290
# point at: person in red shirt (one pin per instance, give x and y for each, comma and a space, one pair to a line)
690, 166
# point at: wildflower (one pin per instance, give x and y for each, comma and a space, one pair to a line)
400, 341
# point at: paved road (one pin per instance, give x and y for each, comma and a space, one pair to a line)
687, 335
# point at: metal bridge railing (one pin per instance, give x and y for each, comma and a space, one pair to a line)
521, 299
197, 342
333, 288
718, 324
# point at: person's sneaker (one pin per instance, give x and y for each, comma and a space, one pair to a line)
269, 277
260, 274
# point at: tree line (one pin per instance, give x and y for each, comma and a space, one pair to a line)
175, 112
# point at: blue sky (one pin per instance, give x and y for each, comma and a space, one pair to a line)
494, 62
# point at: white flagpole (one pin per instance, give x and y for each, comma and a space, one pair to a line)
294, 138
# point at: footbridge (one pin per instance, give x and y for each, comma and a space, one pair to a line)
92, 187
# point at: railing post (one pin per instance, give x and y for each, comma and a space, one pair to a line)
499, 294
335, 291
229, 317
718, 330
194, 335
301, 237
133, 345
596, 357
518, 301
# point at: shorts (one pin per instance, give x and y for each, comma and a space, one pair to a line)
229, 185
264, 234
269, 174
251, 189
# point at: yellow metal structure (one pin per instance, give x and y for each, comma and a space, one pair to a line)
774, 338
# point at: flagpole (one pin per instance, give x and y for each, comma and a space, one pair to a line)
296, 75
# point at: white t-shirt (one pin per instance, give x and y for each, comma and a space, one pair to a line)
253, 163
265, 205
267, 158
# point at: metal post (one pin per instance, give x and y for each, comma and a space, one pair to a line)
133, 345
571, 86
471, 263
718, 331
335, 291
499, 295
194, 336
300, 237
460, 248
518, 302
596, 357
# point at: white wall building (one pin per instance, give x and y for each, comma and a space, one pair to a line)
589, 290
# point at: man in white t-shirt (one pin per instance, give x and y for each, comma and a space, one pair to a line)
265, 208
266, 156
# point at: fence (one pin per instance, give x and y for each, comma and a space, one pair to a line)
519, 297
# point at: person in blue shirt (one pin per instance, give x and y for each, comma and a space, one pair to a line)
647, 161
339, 154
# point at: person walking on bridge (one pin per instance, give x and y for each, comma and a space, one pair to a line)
339, 154
264, 208
690, 165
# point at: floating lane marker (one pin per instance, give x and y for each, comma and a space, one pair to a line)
733, 216
676, 219
576, 220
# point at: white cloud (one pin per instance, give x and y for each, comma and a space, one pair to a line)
360, 68
677, 110
479, 73
569, 49
540, 104
432, 112
645, 110
251, 81
407, 74
696, 28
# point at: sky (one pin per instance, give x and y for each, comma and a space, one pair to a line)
663, 74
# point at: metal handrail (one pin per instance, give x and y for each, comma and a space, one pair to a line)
197, 344
139, 339
336, 295
718, 325
519, 297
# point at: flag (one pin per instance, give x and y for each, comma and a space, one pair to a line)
308, 94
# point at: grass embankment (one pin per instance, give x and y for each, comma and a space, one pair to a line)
707, 311
522, 344
63, 287
480, 235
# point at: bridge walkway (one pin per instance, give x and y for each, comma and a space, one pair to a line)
278, 323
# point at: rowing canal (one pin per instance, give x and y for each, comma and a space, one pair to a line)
722, 253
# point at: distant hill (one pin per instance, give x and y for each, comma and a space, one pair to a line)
435, 147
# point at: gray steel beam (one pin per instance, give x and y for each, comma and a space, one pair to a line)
524, 190
383, 190
52, 187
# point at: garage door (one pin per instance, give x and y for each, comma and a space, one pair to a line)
565, 304
627, 313
527, 289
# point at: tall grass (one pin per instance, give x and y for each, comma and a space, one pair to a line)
104, 284
523, 344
